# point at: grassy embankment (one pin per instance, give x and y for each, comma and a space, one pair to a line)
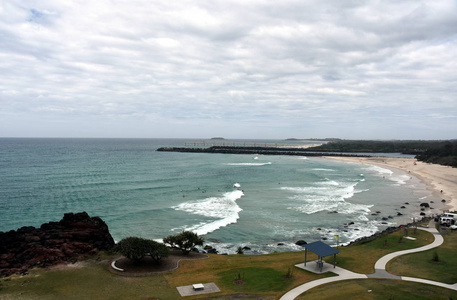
263, 276
378, 289
362, 256
439, 264
421, 265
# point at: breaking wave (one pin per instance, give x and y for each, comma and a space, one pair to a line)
224, 210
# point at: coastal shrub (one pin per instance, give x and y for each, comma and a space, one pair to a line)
132, 248
185, 241
239, 277
135, 248
290, 273
436, 258
157, 251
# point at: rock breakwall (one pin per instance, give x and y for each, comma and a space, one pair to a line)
254, 150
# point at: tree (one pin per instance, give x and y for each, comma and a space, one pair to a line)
135, 248
157, 251
185, 241
132, 247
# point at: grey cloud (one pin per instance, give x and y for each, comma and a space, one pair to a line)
284, 67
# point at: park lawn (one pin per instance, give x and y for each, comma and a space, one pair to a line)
360, 257
374, 289
85, 280
262, 274
422, 265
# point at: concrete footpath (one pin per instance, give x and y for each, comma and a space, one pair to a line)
380, 269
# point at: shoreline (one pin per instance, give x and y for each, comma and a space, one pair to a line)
441, 180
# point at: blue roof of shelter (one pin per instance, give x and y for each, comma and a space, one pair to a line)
321, 249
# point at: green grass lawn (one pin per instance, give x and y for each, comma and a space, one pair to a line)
91, 281
374, 289
361, 257
422, 264
264, 275
254, 280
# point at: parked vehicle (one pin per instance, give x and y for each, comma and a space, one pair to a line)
448, 219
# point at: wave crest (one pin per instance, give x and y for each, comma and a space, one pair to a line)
224, 209
248, 164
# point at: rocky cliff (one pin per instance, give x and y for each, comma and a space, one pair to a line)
73, 237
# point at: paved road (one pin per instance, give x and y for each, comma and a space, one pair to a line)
380, 269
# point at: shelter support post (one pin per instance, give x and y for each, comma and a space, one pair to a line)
306, 251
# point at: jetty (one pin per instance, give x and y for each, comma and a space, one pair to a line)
256, 150
225, 143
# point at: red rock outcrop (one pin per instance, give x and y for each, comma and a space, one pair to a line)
72, 238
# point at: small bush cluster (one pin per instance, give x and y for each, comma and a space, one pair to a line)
135, 248
185, 241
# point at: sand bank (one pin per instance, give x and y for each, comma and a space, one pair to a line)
442, 180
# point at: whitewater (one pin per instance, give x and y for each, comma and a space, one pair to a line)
265, 203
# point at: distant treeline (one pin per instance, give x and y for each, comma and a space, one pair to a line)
438, 152
444, 154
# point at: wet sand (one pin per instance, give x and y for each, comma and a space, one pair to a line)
441, 180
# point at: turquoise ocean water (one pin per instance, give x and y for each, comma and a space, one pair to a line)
141, 192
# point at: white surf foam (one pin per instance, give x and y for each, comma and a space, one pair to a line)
325, 197
388, 174
400, 179
381, 171
322, 169
223, 209
328, 196
248, 164
358, 230
328, 182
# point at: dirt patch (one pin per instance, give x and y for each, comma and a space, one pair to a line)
70, 266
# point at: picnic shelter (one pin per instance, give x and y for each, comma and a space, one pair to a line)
322, 250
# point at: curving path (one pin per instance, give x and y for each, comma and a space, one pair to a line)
380, 269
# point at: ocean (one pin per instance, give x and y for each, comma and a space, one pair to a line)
138, 191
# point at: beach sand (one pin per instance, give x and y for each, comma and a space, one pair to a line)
442, 180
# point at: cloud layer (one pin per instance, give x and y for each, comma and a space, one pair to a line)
238, 69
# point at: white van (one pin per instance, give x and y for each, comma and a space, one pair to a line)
448, 219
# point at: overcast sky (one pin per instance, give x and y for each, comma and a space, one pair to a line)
236, 69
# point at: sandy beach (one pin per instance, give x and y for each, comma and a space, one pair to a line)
442, 180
